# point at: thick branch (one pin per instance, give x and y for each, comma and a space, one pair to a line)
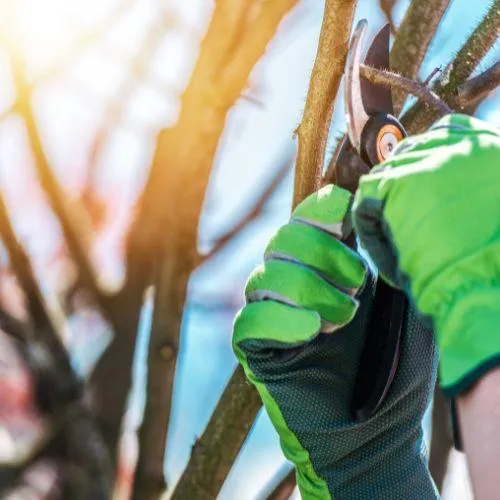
395, 81
176, 259
327, 72
414, 36
164, 233
478, 87
214, 453
262, 26
170, 282
459, 70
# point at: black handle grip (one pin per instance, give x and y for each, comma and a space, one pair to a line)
381, 352
382, 348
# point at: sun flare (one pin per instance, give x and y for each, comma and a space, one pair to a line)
43, 30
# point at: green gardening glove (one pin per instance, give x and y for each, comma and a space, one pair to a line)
430, 219
300, 339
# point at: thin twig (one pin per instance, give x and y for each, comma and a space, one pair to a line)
458, 70
73, 222
13, 326
257, 207
282, 486
414, 36
327, 72
21, 267
431, 75
478, 87
393, 80
387, 6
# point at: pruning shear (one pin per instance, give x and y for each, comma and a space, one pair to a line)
372, 134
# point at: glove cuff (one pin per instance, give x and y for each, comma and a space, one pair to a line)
469, 339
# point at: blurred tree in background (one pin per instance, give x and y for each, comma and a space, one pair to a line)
120, 183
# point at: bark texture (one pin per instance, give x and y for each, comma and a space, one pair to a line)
414, 36
167, 224
214, 453
327, 72
459, 70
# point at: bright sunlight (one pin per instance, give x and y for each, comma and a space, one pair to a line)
42, 31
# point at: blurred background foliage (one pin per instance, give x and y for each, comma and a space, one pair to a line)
86, 87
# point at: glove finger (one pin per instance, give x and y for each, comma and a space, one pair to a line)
328, 209
312, 247
280, 325
300, 286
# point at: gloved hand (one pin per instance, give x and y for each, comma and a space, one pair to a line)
430, 219
299, 340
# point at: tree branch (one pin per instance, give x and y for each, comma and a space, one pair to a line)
57, 388
282, 486
164, 234
414, 36
327, 72
11, 325
396, 81
478, 87
458, 71
21, 266
258, 206
73, 223
214, 453
387, 6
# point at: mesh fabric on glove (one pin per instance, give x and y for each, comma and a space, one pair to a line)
310, 284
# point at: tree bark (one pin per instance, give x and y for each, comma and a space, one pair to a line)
475, 48
170, 294
414, 36
214, 453
167, 224
327, 72
477, 88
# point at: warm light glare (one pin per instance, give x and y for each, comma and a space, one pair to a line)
43, 30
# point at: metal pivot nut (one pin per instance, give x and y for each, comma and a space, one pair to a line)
379, 138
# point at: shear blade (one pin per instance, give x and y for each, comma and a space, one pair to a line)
375, 97
362, 98
356, 115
